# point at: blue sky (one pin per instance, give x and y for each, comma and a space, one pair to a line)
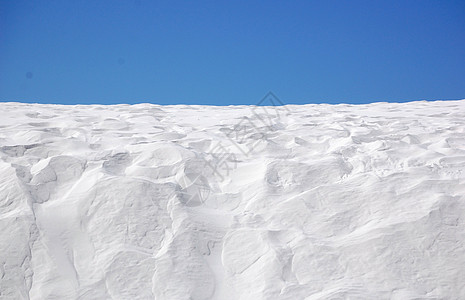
231, 52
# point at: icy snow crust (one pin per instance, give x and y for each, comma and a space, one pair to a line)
310, 202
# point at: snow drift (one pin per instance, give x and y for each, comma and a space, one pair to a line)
195, 202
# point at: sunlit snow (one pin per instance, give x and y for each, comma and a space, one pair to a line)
197, 202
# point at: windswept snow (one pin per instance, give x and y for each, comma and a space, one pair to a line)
195, 202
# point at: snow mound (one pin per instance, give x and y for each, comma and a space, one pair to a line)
196, 202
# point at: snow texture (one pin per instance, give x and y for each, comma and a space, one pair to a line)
196, 202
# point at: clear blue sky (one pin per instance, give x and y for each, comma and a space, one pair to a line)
231, 52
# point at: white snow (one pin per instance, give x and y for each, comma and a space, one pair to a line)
196, 202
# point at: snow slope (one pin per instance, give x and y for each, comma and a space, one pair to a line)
195, 202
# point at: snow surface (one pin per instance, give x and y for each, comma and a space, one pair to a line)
195, 202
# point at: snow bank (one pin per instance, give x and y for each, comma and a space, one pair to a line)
196, 202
